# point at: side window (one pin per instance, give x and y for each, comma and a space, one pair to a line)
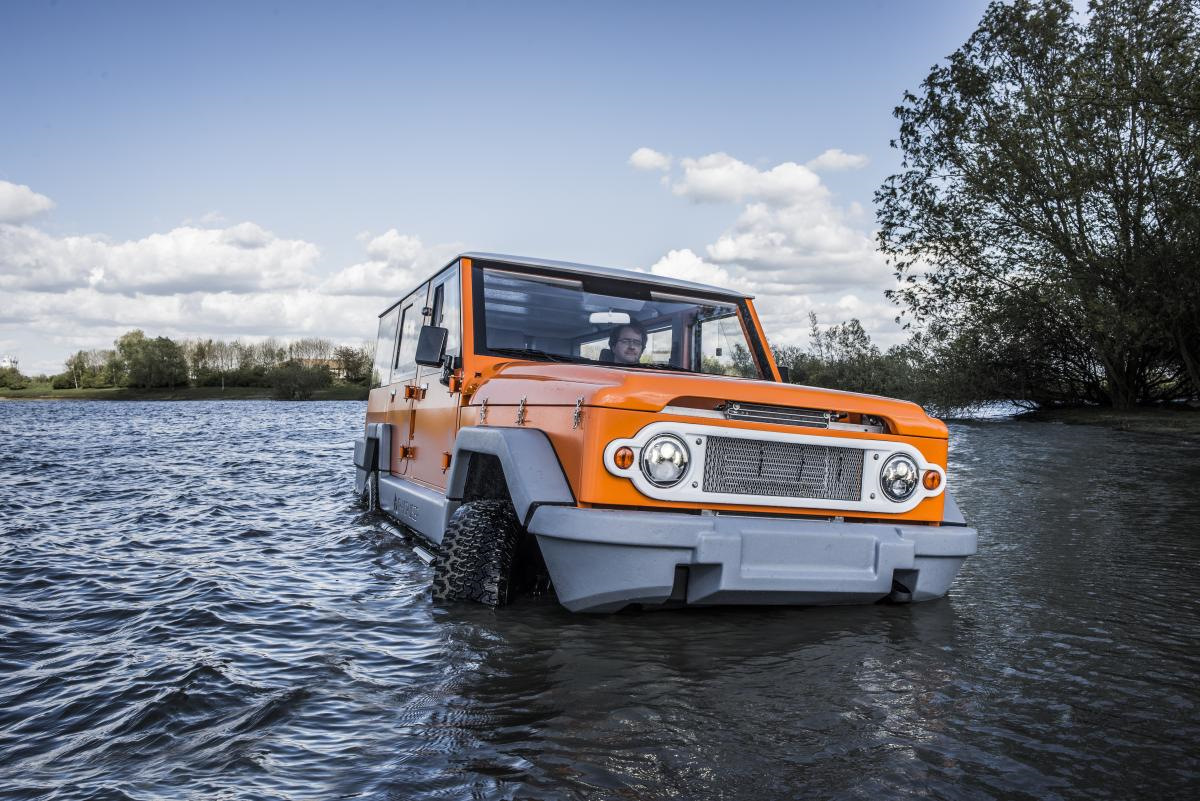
381, 373
446, 312
406, 356
723, 349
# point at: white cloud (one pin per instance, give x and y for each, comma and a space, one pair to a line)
837, 159
59, 294
395, 262
19, 203
791, 246
646, 159
242, 258
718, 177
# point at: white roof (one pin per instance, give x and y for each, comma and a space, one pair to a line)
605, 272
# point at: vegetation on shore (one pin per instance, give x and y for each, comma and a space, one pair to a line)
1178, 421
43, 391
141, 368
1046, 222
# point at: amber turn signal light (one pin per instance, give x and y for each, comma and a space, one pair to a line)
931, 480
624, 457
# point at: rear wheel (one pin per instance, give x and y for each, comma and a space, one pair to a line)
478, 554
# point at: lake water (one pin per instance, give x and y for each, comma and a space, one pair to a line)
192, 606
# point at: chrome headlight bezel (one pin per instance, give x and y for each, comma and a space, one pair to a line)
899, 468
663, 449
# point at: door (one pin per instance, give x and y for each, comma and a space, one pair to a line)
404, 375
435, 407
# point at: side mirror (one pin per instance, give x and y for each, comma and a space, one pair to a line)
785, 373
431, 346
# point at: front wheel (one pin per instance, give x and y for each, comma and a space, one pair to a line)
478, 552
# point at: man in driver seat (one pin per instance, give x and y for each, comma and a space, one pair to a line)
626, 343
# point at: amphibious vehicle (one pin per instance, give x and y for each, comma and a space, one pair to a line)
618, 437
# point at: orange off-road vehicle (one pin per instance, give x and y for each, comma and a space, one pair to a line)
624, 438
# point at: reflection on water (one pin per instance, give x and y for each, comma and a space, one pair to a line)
191, 606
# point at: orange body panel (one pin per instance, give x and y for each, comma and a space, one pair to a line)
580, 453
617, 402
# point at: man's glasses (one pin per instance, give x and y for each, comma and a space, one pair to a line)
627, 342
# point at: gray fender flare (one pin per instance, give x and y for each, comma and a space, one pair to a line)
531, 467
372, 452
951, 514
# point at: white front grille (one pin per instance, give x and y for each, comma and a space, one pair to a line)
782, 469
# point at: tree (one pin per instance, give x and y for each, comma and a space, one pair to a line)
158, 362
292, 380
1048, 203
354, 364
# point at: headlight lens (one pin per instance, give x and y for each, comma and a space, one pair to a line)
898, 477
665, 460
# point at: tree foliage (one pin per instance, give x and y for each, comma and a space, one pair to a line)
1046, 222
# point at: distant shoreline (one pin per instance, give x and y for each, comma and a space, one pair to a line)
337, 392
1182, 422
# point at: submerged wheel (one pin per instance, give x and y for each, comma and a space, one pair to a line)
369, 499
478, 553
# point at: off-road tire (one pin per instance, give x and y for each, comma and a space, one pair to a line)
477, 554
369, 499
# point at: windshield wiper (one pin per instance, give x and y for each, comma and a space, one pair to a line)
534, 353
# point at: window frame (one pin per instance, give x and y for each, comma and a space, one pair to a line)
596, 283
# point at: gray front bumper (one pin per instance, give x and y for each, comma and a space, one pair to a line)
601, 559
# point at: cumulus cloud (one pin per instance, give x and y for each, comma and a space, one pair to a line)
395, 262
837, 159
59, 294
242, 258
646, 159
720, 178
791, 245
19, 203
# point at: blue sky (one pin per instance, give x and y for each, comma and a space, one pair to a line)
318, 138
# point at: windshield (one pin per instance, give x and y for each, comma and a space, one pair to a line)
609, 321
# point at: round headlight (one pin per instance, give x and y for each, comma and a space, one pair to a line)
898, 477
664, 460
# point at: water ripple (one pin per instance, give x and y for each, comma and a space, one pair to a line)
191, 606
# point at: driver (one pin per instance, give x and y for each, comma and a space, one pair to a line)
626, 342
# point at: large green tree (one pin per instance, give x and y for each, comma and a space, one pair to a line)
1046, 215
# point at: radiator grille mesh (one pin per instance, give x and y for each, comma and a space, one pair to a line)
782, 469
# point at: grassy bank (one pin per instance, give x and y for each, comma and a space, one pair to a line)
1181, 422
45, 392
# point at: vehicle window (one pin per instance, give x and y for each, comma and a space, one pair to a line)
385, 343
723, 349
449, 316
406, 356
445, 311
609, 321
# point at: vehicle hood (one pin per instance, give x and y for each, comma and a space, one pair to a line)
542, 384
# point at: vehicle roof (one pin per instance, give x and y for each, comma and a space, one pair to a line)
605, 272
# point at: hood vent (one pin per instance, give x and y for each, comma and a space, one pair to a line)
778, 415
782, 416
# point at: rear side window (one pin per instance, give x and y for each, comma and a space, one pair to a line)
384, 346
446, 311
406, 357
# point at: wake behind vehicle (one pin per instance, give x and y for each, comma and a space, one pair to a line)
625, 438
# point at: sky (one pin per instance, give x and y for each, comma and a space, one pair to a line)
288, 169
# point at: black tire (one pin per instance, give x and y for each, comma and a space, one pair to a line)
477, 554
369, 499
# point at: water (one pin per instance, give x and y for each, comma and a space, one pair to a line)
191, 606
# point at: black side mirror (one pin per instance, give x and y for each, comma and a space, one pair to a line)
785, 374
431, 346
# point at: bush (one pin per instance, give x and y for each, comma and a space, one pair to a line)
294, 381
62, 381
11, 378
